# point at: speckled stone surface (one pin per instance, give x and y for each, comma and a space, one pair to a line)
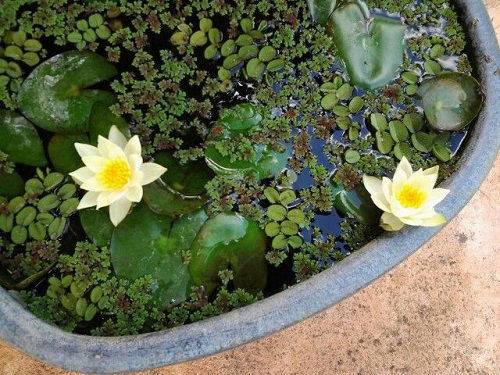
433, 314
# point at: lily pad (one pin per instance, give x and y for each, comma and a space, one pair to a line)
102, 119
55, 95
11, 185
371, 47
451, 101
321, 10
181, 189
62, 152
97, 226
149, 244
229, 241
265, 162
356, 204
20, 140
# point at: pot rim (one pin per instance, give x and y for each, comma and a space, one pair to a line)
90, 354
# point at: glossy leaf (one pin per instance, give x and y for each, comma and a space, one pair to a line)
97, 225
62, 152
102, 119
149, 244
241, 117
55, 95
451, 101
229, 241
11, 185
321, 10
181, 189
20, 140
372, 48
356, 204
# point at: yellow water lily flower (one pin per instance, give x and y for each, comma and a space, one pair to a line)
409, 198
114, 174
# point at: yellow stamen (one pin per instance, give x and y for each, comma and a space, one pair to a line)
410, 197
115, 175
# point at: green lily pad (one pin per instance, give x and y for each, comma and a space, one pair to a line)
321, 10
62, 152
266, 162
356, 204
97, 226
11, 185
149, 244
229, 241
181, 189
20, 140
55, 95
451, 101
372, 48
240, 118
102, 119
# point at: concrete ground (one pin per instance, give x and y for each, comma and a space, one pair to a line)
436, 313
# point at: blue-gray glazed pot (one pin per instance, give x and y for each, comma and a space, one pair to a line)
120, 354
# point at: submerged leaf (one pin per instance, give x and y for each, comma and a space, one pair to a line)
62, 152
451, 101
372, 48
11, 185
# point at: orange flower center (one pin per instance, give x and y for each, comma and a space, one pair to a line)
115, 175
410, 197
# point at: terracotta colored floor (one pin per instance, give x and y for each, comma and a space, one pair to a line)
437, 313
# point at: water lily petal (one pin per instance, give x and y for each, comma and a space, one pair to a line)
119, 210
92, 184
134, 194
108, 149
399, 179
152, 172
94, 163
411, 220
117, 137
436, 196
387, 189
390, 223
433, 221
103, 200
374, 187
133, 146
405, 166
433, 173
82, 174
135, 162
88, 200
86, 150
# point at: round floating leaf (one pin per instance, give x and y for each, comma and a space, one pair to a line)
356, 104
272, 229
276, 65
356, 204
414, 122
422, 141
97, 225
247, 52
54, 96
187, 179
451, 101
20, 140
372, 48
267, 54
321, 10
198, 39
352, 156
378, 121
441, 152
276, 212
255, 68
398, 131
272, 194
101, 121
11, 185
329, 101
228, 48
62, 152
231, 61
384, 142
149, 244
402, 149
279, 242
229, 240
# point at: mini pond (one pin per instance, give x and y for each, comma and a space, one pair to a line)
266, 116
